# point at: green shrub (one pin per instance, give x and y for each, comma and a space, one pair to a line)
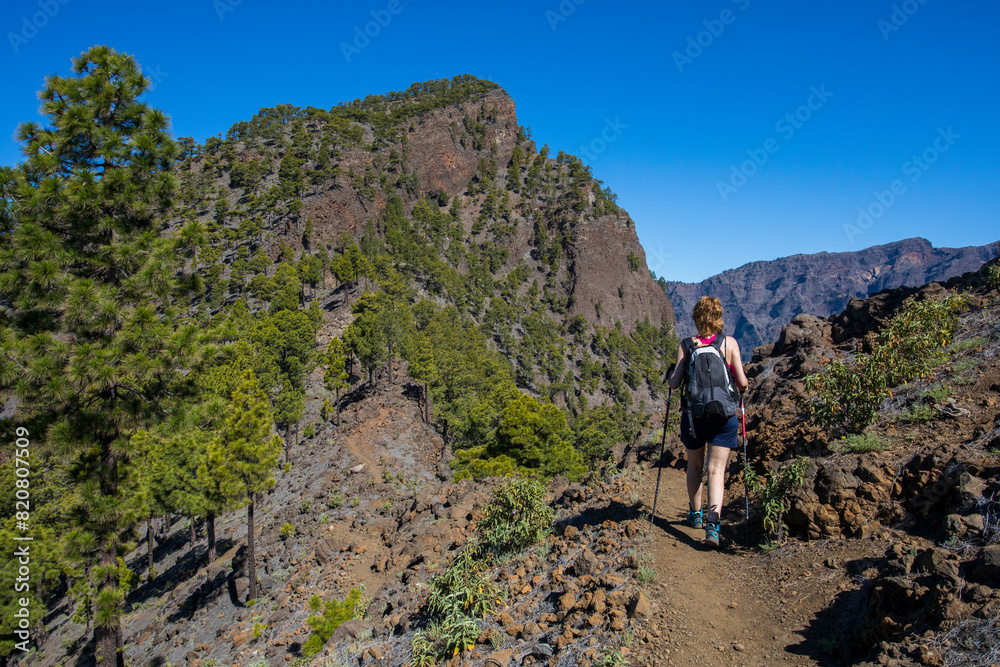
335, 500
305, 506
964, 365
846, 397
464, 592
966, 345
309, 431
259, 629
464, 587
516, 517
918, 414
287, 530
771, 493
993, 277
323, 625
445, 638
938, 394
860, 444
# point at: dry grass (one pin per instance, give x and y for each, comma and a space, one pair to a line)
971, 643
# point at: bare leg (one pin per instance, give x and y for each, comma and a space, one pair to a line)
718, 458
695, 469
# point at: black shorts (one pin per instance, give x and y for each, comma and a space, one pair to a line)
725, 435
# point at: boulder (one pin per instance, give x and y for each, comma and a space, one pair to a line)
352, 629
987, 567
640, 606
586, 563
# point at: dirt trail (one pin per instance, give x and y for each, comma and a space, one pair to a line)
710, 610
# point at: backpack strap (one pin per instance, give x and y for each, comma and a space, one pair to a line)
688, 345
725, 362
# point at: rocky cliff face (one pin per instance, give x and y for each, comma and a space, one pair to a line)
761, 297
440, 155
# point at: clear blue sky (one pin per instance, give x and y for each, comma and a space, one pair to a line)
678, 126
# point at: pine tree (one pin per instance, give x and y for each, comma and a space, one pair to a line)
289, 406
243, 457
422, 368
83, 269
336, 378
307, 235
394, 317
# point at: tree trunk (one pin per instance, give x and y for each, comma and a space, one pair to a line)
427, 404
210, 532
194, 534
251, 557
288, 443
390, 364
106, 637
150, 545
338, 406
40, 634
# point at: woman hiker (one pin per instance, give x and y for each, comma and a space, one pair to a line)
720, 434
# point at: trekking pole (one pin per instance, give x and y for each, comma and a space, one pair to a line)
663, 442
746, 464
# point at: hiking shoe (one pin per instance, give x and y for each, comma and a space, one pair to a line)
694, 519
712, 534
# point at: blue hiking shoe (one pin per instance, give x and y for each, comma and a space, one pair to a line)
694, 519
712, 534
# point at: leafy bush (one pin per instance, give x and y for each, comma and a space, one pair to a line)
847, 396
287, 530
516, 517
771, 493
466, 587
446, 637
323, 625
335, 500
458, 596
993, 277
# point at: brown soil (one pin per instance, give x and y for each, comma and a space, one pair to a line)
735, 606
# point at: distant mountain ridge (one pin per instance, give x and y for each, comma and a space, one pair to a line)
761, 297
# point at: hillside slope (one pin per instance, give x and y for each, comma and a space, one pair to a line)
761, 297
443, 180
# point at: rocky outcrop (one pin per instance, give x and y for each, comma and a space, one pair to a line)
601, 273
761, 297
915, 481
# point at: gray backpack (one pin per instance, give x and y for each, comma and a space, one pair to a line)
710, 395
